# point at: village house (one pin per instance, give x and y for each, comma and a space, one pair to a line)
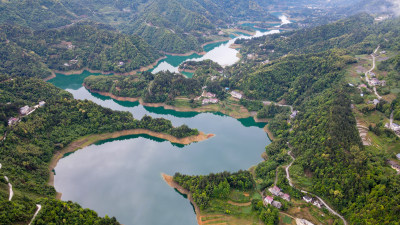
398, 156
277, 204
285, 197
208, 94
268, 200
374, 82
210, 101
42, 103
12, 121
275, 190
394, 165
317, 203
308, 199
236, 94
383, 52
362, 86
395, 127
121, 63
24, 110
375, 102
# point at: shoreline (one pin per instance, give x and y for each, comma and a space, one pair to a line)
77, 72
91, 139
186, 70
194, 52
169, 180
202, 109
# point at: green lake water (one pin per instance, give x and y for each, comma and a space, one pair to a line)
122, 177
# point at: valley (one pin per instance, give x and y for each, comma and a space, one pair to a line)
199, 112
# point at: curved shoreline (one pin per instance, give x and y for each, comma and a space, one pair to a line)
91, 139
194, 52
201, 109
170, 181
133, 72
186, 70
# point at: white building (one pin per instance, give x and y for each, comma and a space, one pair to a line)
210, 101
42, 103
24, 110
308, 199
208, 94
236, 94
12, 121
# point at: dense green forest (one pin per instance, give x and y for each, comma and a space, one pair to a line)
291, 78
170, 26
359, 34
217, 185
162, 87
29, 146
84, 45
323, 137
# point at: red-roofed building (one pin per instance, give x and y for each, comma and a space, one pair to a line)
268, 200
275, 190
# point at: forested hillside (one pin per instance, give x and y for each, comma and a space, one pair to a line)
359, 34
84, 45
170, 26
36, 14
292, 78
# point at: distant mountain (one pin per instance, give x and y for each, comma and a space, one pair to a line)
176, 26
35, 14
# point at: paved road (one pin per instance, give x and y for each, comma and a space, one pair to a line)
303, 191
372, 68
39, 207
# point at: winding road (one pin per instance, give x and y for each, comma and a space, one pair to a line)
303, 191
9, 187
39, 207
369, 71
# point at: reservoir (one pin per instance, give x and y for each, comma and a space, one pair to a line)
122, 177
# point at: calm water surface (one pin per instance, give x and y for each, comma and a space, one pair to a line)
122, 177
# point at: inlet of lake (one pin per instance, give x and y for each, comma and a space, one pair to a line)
122, 177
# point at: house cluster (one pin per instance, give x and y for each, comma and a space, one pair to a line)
269, 200
209, 98
314, 201
24, 111
277, 192
376, 82
393, 126
236, 95
394, 165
